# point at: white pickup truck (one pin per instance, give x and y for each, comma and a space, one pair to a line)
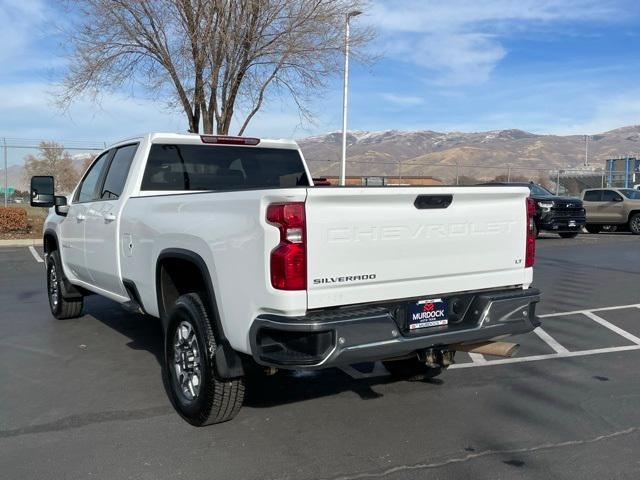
246, 263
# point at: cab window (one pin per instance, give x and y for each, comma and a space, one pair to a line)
88, 189
611, 196
592, 196
118, 172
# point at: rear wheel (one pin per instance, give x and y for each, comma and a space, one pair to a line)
568, 234
591, 228
634, 224
61, 306
411, 369
189, 367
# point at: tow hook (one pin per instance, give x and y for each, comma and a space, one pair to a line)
437, 357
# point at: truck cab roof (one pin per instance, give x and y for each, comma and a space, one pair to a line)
210, 139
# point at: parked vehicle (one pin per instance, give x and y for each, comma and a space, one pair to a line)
562, 215
612, 207
223, 239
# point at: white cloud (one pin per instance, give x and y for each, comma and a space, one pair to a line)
463, 40
398, 100
22, 21
612, 112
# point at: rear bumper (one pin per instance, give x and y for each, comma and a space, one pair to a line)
351, 335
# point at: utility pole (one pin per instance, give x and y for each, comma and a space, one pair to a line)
343, 170
6, 161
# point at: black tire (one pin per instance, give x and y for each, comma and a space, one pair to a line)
568, 234
591, 228
411, 369
634, 224
61, 307
210, 399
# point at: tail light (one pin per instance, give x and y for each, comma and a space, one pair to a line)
289, 258
227, 140
530, 253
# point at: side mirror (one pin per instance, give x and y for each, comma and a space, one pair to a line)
62, 208
42, 192
618, 199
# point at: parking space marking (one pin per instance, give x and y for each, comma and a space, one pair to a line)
600, 309
35, 254
534, 358
478, 360
477, 357
612, 327
549, 340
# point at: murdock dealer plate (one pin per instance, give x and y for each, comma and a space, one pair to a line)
432, 312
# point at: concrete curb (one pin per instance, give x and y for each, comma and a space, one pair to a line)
21, 242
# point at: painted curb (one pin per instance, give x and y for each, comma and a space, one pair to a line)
21, 242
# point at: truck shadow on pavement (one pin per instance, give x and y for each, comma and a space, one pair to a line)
145, 334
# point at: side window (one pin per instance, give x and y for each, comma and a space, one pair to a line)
88, 190
610, 196
592, 196
118, 171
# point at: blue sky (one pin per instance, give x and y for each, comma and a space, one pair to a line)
546, 66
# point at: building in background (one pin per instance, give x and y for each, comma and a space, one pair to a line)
377, 181
622, 172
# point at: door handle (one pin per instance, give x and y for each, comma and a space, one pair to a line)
80, 217
109, 217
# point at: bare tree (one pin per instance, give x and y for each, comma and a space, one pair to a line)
55, 161
210, 58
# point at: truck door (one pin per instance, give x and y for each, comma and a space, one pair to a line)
101, 235
612, 207
72, 228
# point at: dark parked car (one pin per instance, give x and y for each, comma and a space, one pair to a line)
562, 215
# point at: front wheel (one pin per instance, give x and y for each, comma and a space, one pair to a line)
568, 234
411, 369
189, 367
593, 228
634, 224
61, 306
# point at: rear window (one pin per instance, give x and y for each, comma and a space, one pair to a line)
207, 167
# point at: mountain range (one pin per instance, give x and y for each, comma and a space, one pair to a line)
481, 154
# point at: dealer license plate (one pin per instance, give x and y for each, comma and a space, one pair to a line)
432, 312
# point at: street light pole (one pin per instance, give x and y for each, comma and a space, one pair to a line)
5, 172
586, 150
343, 170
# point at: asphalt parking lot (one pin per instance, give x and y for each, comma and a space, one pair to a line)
84, 398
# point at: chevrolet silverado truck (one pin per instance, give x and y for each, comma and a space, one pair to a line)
226, 240
612, 207
562, 215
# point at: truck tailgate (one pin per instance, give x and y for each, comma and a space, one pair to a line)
375, 244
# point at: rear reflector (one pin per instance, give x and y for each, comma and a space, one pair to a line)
226, 140
289, 259
530, 252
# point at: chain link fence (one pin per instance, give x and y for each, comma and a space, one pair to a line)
23, 158
561, 181
66, 161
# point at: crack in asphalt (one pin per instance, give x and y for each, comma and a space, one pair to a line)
78, 421
485, 453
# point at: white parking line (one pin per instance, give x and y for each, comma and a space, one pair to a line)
35, 254
600, 309
549, 356
612, 327
549, 340
477, 358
